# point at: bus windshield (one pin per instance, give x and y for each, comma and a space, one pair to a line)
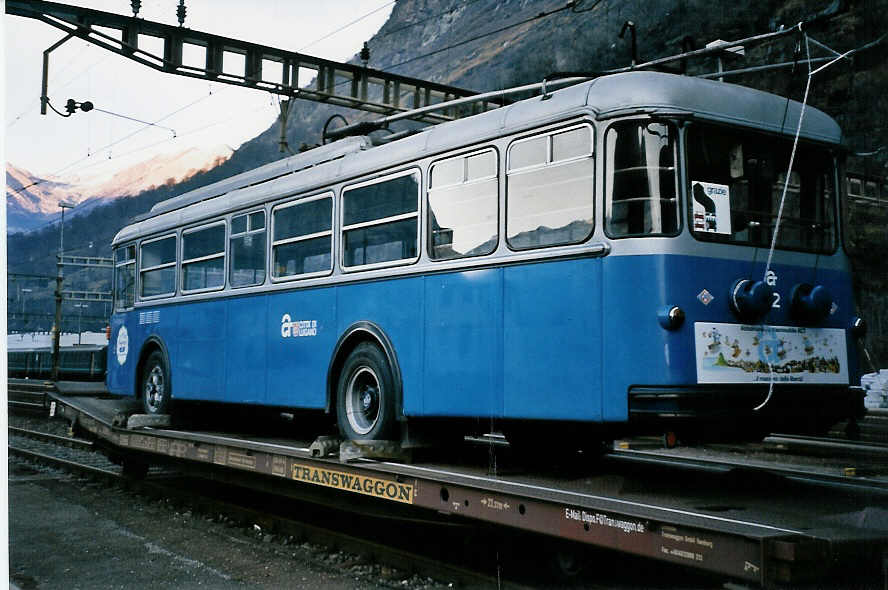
736, 183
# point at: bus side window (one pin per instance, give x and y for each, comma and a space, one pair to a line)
124, 277
302, 238
463, 199
379, 221
157, 267
550, 189
640, 179
247, 250
203, 258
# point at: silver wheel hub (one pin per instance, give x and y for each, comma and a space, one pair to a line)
155, 386
362, 400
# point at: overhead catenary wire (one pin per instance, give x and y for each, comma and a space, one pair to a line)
128, 118
415, 23
36, 102
57, 218
540, 15
347, 25
167, 140
115, 142
537, 16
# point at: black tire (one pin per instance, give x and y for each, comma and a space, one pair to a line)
365, 396
155, 385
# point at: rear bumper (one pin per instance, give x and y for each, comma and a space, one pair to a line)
649, 403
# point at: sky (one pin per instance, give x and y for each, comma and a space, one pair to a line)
95, 144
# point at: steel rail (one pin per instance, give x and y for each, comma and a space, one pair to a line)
66, 464
52, 438
819, 445
23, 405
806, 476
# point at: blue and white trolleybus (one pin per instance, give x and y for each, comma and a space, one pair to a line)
591, 261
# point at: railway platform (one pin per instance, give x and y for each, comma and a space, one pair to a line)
749, 527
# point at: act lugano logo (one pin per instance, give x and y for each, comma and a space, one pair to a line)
122, 347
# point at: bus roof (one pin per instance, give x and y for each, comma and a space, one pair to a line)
650, 93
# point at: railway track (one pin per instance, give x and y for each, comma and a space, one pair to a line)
28, 395
873, 427
852, 478
211, 498
826, 446
77, 443
206, 494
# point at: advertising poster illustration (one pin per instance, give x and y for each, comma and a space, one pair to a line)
712, 207
732, 353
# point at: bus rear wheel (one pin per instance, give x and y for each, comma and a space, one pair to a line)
365, 404
155, 385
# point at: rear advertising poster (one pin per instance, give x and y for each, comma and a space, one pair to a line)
735, 353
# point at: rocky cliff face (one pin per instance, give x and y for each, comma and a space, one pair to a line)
491, 44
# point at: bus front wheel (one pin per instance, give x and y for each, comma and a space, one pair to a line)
155, 385
365, 405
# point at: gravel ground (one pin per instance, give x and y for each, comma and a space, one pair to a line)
70, 532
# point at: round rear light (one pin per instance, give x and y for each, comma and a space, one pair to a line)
671, 317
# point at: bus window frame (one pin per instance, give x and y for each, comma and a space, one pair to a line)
266, 252
270, 222
838, 188
474, 151
549, 133
174, 264
414, 169
183, 262
118, 265
679, 174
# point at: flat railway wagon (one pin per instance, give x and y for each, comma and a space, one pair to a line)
734, 523
601, 259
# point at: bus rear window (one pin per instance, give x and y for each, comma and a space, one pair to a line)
737, 180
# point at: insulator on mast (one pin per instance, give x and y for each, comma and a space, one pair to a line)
180, 12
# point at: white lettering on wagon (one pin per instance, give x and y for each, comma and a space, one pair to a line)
603, 520
297, 328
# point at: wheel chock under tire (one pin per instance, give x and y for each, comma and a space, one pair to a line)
351, 450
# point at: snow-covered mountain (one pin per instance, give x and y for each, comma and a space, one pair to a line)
32, 201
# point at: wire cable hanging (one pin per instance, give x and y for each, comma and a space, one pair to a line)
804, 104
